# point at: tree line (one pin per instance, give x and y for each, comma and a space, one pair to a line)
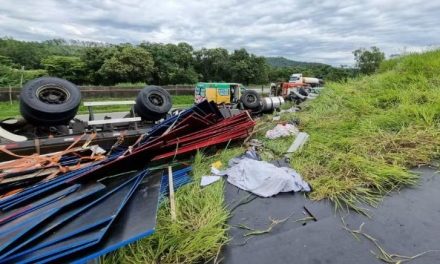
91, 63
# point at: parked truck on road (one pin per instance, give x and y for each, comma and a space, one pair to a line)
297, 88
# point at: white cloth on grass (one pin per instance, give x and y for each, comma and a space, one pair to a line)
281, 130
264, 179
207, 180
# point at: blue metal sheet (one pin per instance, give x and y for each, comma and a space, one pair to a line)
9, 238
83, 193
34, 206
180, 178
40, 188
52, 252
137, 220
101, 212
61, 217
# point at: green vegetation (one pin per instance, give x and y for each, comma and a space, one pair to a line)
277, 62
88, 63
200, 229
12, 77
281, 69
364, 135
326, 72
368, 61
8, 110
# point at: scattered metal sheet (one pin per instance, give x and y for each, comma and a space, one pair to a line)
18, 231
100, 213
137, 220
74, 229
299, 142
66, 213
34, 206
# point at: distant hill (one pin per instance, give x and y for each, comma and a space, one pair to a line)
283, 62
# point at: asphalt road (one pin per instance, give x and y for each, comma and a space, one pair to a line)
406, 223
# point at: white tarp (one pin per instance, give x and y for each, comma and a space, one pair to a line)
207, 180
281, 130
264, 179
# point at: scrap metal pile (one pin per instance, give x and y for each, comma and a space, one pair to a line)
83, 202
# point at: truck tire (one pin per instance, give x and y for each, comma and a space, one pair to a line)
49, 101
251, 99
153, 103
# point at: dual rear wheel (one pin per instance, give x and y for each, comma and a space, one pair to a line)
50, 101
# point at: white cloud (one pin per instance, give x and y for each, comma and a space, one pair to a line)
324, 31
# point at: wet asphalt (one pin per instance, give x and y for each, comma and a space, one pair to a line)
406, 223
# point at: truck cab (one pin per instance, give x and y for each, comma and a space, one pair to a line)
296, 78
220, 93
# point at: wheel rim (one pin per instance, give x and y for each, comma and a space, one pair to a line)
250, 98
155, 99
52, 94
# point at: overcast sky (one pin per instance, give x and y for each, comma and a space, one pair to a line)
321, 31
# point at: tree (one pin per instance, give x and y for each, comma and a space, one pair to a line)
241, 67
212, 64
368, 61
94, 58
21, 53
173, 64
130, 64
67, 67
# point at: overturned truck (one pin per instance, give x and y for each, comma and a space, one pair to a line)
49, 122
236, 96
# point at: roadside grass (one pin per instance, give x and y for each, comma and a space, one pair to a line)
8, 110
366, 133
201, 226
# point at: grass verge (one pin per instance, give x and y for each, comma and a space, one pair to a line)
365, 134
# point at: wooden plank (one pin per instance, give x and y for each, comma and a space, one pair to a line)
171, 186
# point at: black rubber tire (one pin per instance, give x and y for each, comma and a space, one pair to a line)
49, 101
153, 103
251, 99
303, 91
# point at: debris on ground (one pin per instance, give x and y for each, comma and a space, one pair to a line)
218, 164
207, 180
299, 142
79, 204
255, 143
282, 130
264, 179
292, 109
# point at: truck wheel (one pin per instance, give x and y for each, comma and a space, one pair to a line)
153, 103
49, 101
251, 99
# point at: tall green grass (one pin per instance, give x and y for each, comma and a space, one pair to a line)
200, 229
365, 134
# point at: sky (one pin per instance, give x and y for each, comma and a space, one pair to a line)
304, 30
